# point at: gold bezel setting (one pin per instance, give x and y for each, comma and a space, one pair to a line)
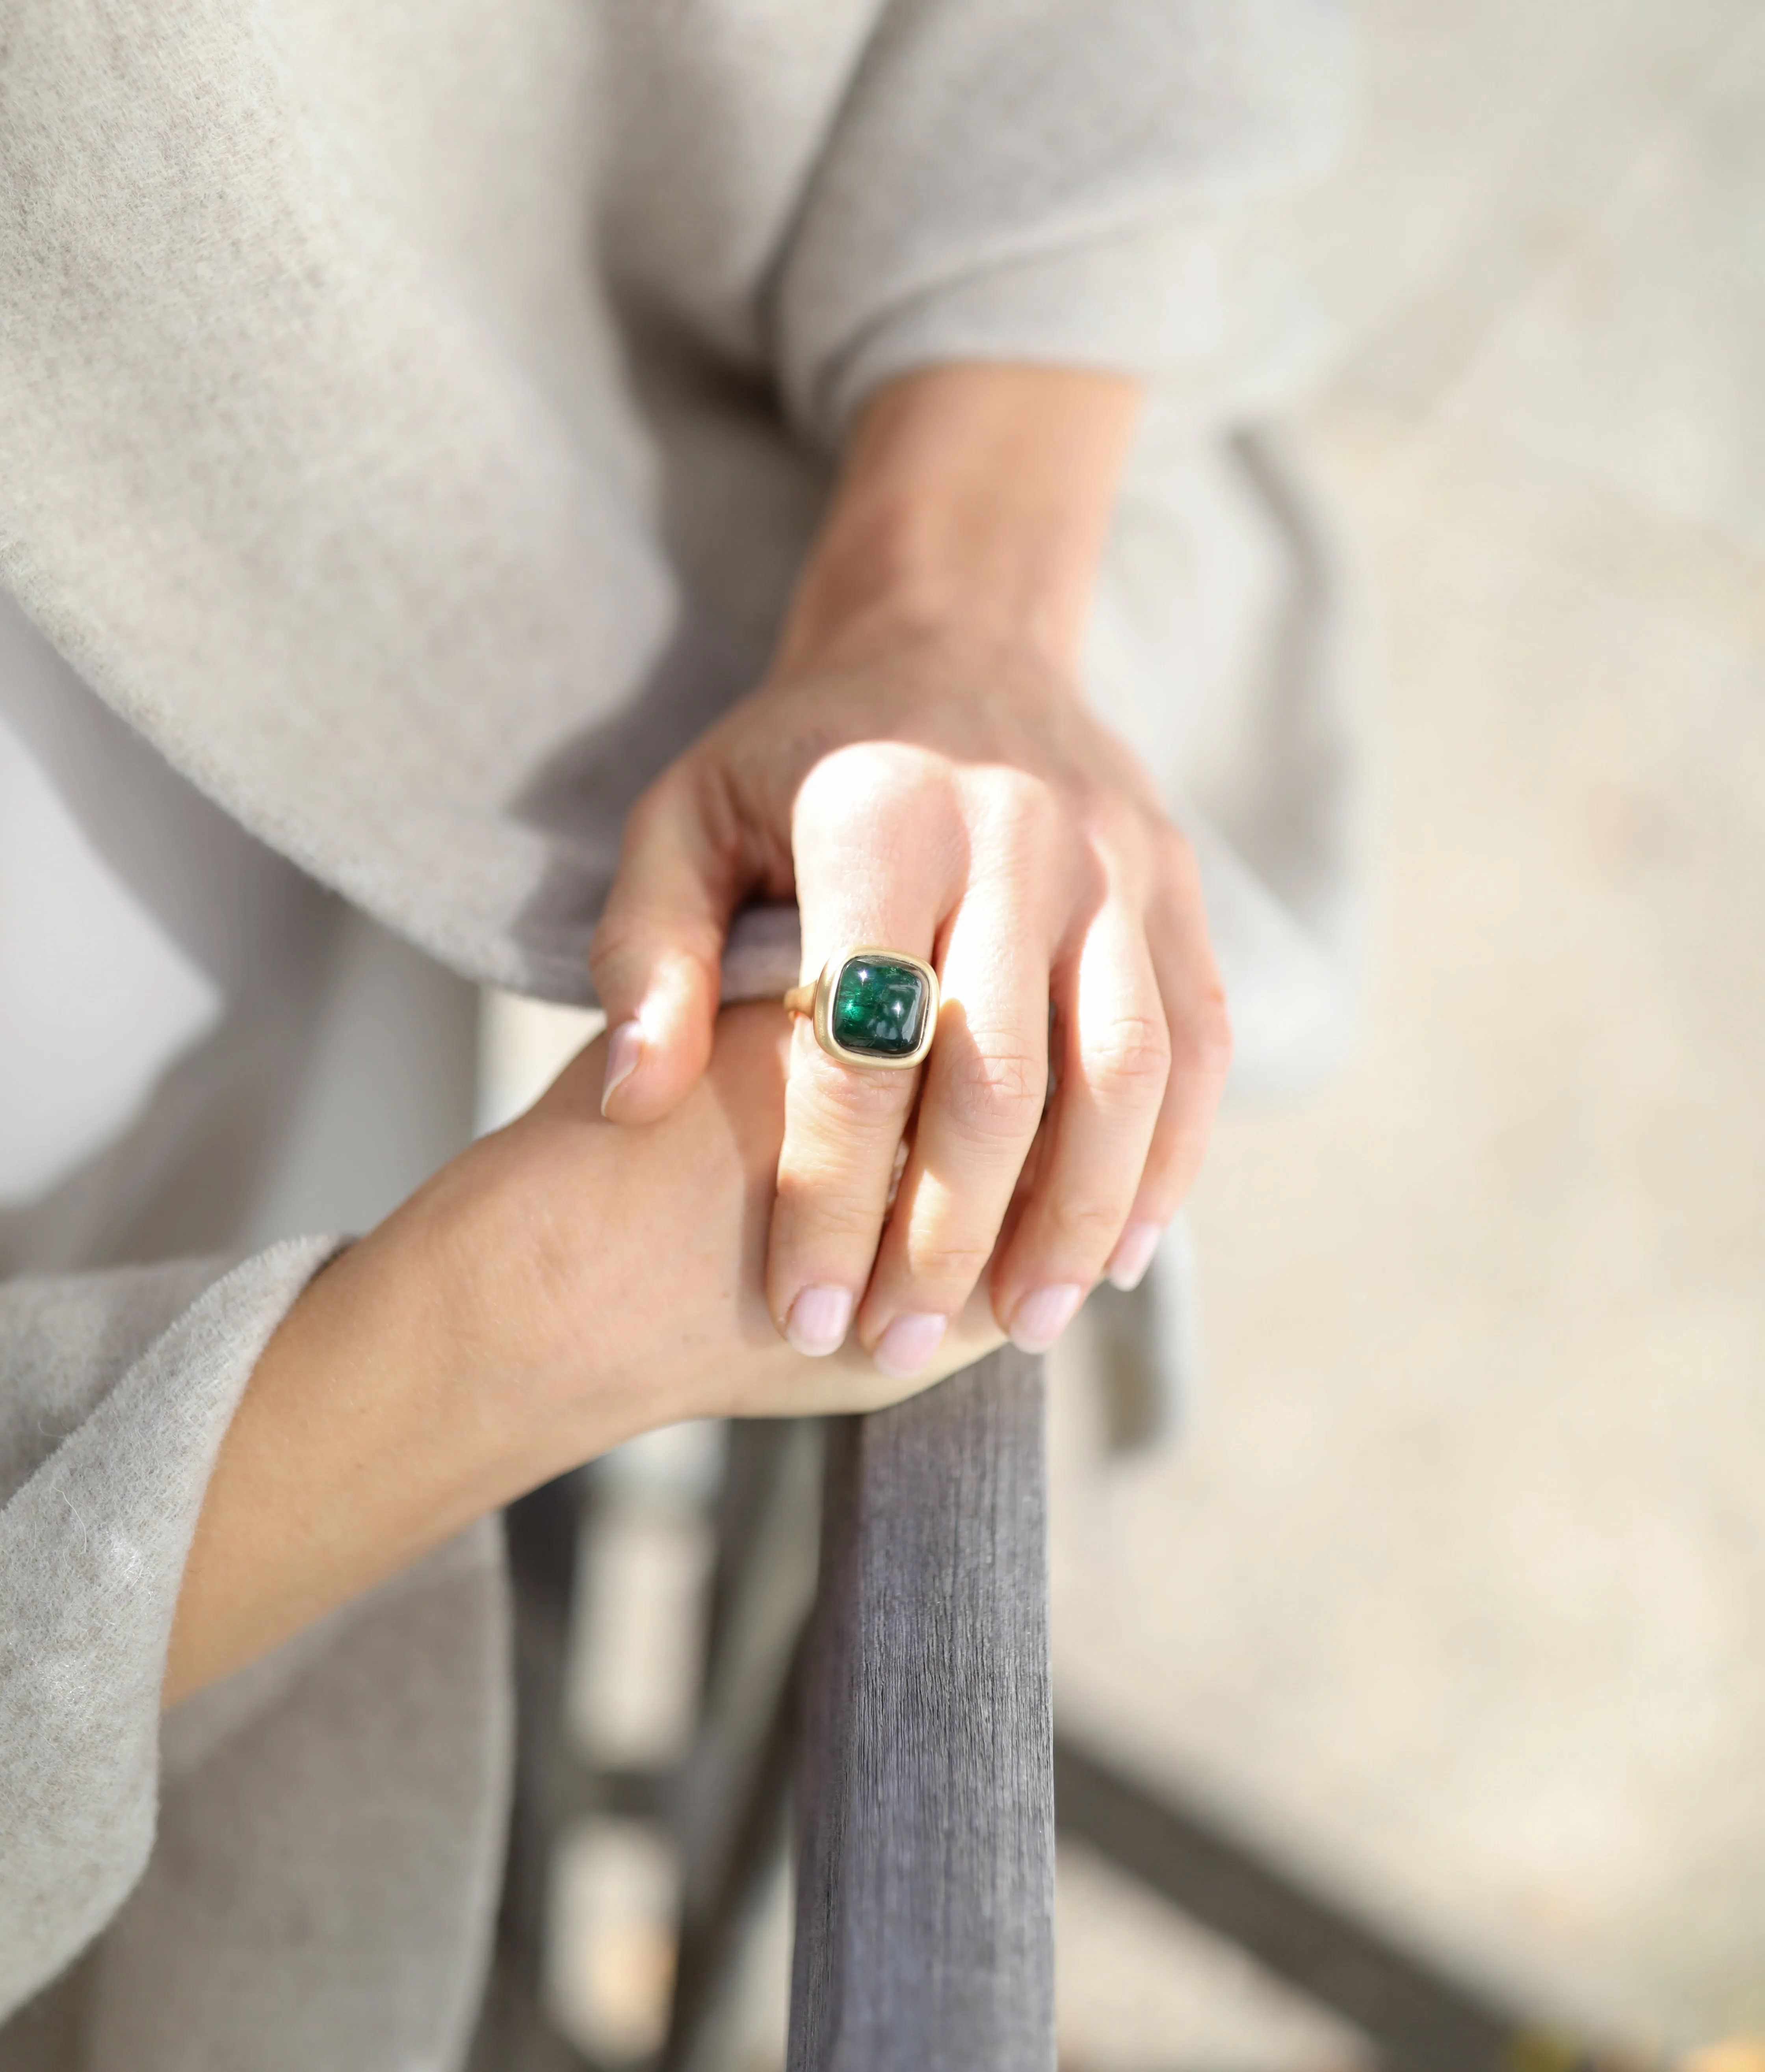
827, 985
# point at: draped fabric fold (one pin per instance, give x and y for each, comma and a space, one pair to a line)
412, 418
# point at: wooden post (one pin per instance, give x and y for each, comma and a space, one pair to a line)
925, 1861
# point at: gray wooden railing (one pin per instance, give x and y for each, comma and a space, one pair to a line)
896, 1682
925, 1851
893, 1682
889, 1672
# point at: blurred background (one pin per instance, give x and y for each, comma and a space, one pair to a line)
1460, 1577
1454, 1594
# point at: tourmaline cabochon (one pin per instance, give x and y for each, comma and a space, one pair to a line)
878, 1008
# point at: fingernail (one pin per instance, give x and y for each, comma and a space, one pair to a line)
818, 1321
1133, 1255
625, 1053
1043, 1314
909, 1343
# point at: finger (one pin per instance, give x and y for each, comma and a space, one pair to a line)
873, 857
985, 1085
1114, 1060
1195, 1005
656, 953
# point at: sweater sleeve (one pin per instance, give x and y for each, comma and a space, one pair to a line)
1050, 180
115, 1390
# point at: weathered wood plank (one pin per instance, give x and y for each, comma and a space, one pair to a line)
925, 1865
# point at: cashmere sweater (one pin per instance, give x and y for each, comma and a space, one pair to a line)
412, 418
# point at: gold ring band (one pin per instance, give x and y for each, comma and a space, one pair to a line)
871, 1007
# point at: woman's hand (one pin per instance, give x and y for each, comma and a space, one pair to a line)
559, 1287
920, 768
622, 1271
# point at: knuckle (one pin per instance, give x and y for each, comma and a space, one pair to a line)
628, 942
843, 1101
994, 1093
1084, 1227
948, 1262
1022, 846
618, 937
1207, 1040
1132, 1054
864, 781
819, 1211
617, 950
1022, 810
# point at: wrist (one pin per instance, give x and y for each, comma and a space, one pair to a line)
974, 500
522, 1261
352, 1451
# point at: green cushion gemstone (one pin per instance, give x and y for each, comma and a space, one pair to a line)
878, 1008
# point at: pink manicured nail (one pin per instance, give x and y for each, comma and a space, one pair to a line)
819, 1320
909, 1343
625, 1053
1043, 1314
1133, 1255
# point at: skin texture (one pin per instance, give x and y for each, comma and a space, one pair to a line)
920, 771
919, 768
501, 1326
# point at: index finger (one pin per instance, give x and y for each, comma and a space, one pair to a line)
655, 954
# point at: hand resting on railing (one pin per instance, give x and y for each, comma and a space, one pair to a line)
559, 1287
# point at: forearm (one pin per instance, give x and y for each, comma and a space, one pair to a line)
978, 495
375, 1425
559, 1287
491, 1333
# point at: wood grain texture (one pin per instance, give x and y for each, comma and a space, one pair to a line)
925, 1868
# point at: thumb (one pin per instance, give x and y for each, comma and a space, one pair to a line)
656, 954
